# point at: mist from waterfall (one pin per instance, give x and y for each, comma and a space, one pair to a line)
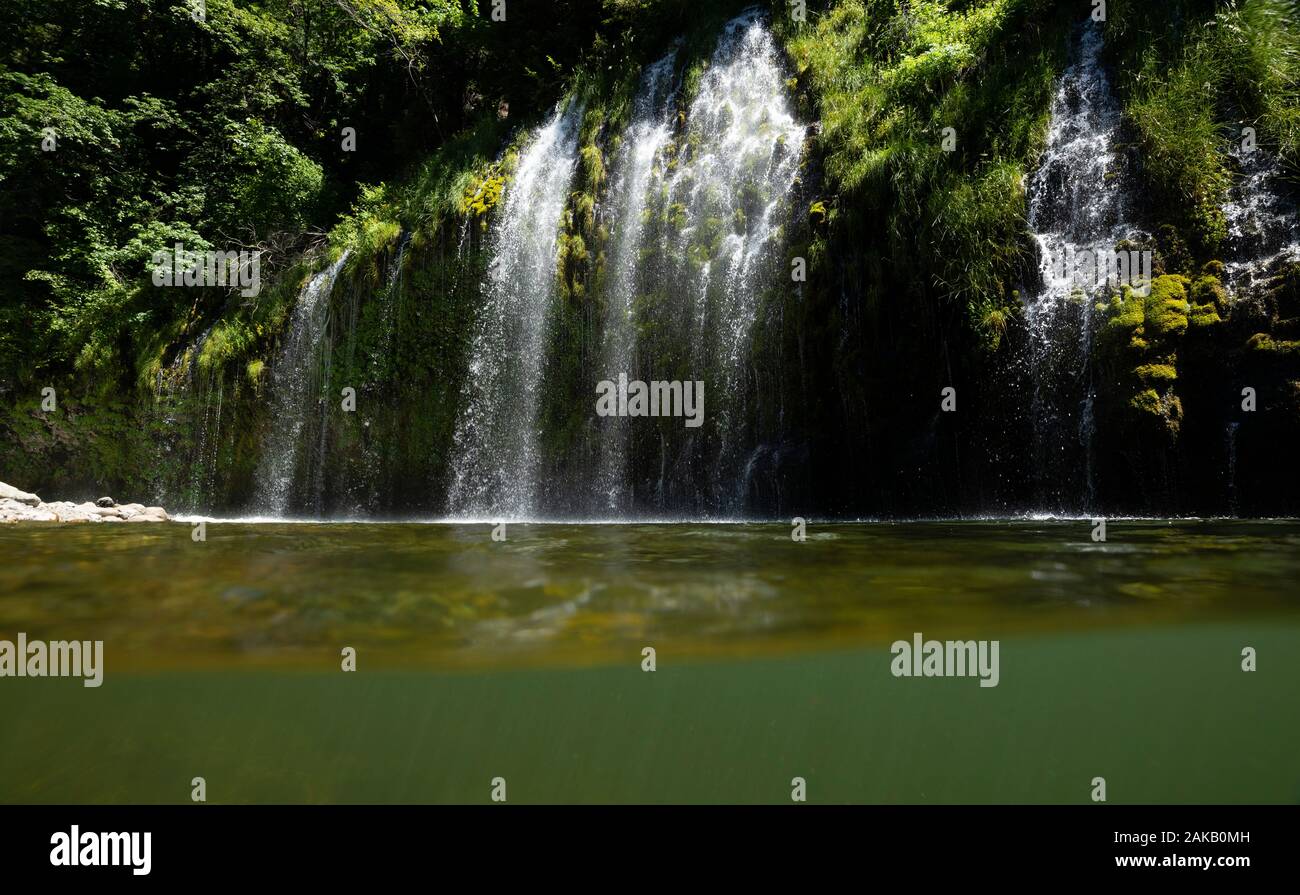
496, 453
725, 202
299, 374
1263, 221
1079, 201
694, 213
637, 169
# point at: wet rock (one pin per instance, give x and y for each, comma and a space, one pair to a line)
106, 502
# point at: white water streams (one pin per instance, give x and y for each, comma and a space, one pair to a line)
1078, 208
727, 203
636, 168
1263, 223
496, 455
296, 383
695, 212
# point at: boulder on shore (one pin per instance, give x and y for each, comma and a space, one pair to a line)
20, 506
9, 492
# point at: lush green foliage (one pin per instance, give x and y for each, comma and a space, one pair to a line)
1192, 80
227, 133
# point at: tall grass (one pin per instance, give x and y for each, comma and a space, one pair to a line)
886, 80
1193, 75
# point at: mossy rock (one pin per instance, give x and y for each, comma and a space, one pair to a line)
483, 192
817, 214
1208, 290
1166, 307
1203, 316
593, 166
1263, 343
1166, 409
1156, 374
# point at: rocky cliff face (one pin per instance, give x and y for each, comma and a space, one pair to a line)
847, 242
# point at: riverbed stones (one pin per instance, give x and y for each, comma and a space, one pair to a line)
19, 509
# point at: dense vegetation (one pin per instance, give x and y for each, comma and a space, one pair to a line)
228, 132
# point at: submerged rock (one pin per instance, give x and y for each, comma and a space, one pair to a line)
19, 506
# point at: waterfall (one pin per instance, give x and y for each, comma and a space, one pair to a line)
725, 204
1263, 222
298, 378
694, 210
637, 166
183, 392
392, 295
495, 453
1078, 211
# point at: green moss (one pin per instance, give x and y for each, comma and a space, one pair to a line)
1208, 290
817, 213
1266, 344
1156, 374
1203, 316
228, 339
1166, 307
483, 193
1147, 401
593, 166
1125, 312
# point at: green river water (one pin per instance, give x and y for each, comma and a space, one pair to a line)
522, 659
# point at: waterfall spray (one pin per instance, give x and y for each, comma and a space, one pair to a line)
636, 170
1078, 209
297, 381
495, 455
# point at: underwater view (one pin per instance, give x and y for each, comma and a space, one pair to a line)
524, 659
633, 402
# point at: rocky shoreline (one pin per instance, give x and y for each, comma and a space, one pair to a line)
20, 506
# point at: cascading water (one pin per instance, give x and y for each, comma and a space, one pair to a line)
392, 295
1078, 212
1263, 221
725, 203
183, 389
637, 167
694, 213
297, 401
495, 454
